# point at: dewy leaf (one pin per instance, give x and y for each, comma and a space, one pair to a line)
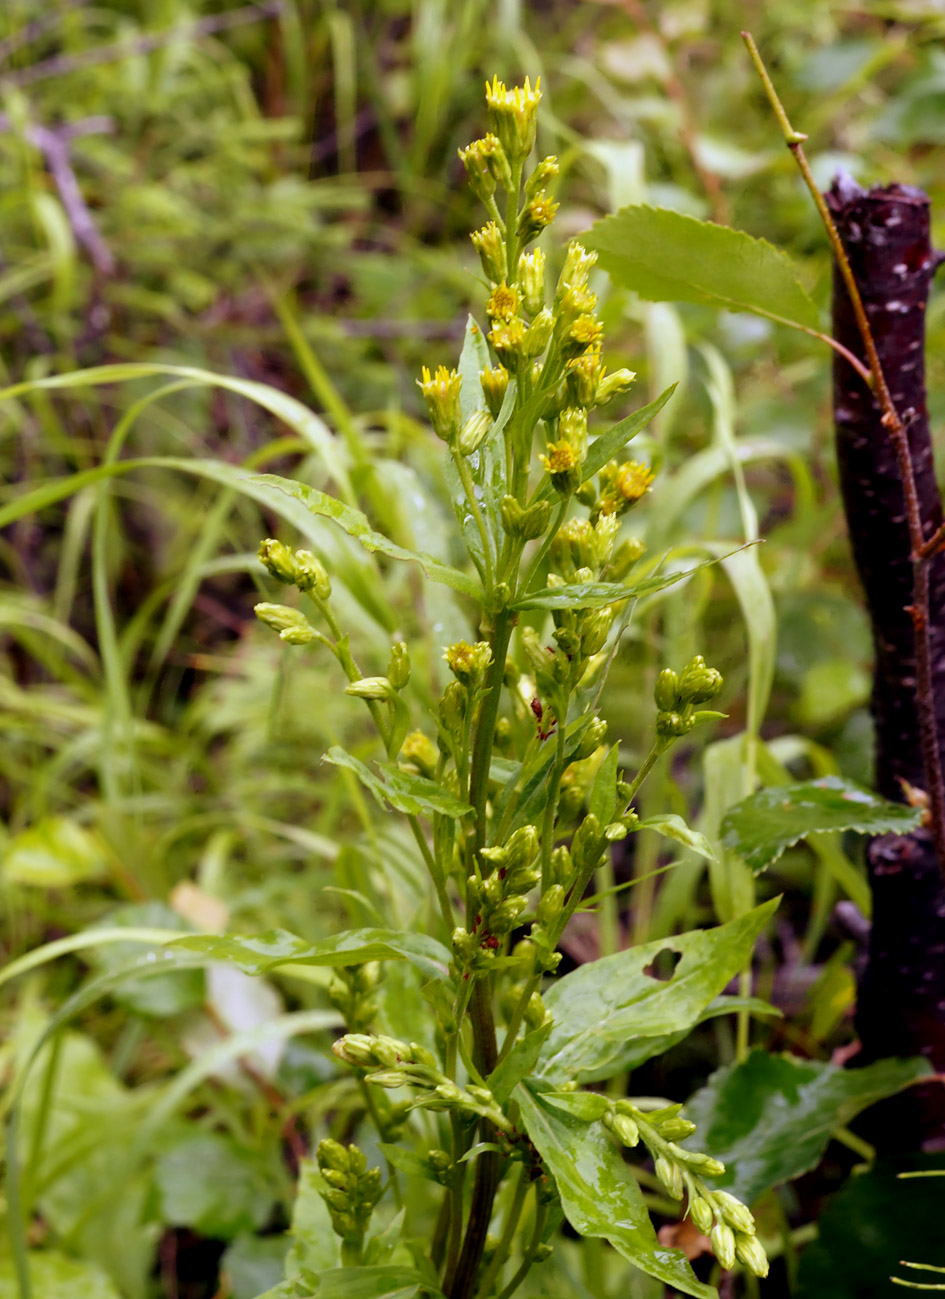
760, 827
770, 1118
598, 1007
414, 795
599, 1194
668, 257
263, 952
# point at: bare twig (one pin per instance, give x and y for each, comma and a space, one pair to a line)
922, 549
66, 63
53, 144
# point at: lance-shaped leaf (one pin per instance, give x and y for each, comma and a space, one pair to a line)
599, 1194
263, 952
600, 1007
593, 595
770, 1118
666, 256
408, 793
760, 827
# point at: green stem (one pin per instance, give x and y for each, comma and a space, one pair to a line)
551, 802
469, 487
657, 751
526, 1264
371, 1106
855, 1143
485, 726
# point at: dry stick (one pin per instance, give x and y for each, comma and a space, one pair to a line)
921, 549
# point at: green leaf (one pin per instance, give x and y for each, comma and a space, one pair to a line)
264, 952
760, 827
674, 827
598, 1007
603, 799
769, 1119
56, 1276
876, 1220
574, 595
518, 1064
586, 1106
54, 853
408, 793
373, 1283
599, 1194
207, 1182
666, 256
169, 993
610, 444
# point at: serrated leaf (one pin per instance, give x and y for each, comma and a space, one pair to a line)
674, 827
666, 256
414, 795
601, 1006
770, 1118
258, 954
599, 1194
760, 827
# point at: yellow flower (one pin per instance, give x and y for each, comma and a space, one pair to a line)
514, 115
503, 302
441, 394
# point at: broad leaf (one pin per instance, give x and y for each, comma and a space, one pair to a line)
373, 1283
56, 1276
518, 1064
261, 953
414, 795
760, 827
603, 800
770, 1118
876, 1220
206, 1181
601, 1007
668, 257
599, 1194
54, 853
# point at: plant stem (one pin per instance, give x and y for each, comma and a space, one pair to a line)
526, 1264
504, 1247
551, 801
469, 487
892, 422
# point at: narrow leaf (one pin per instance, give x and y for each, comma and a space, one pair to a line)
518, 1064
674, 827
760, 827
263, 952
413, 795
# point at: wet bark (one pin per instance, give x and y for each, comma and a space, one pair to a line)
901, 1002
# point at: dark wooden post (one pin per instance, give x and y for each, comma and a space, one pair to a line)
901, 1003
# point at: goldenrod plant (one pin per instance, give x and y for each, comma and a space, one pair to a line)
514, 794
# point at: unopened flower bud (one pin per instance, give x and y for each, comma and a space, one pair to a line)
513, 115
611, 385
675, 1129
625, 1129
539, 333
578, 264
535, 1012
666, 690
522, 848
332, 1154
537, 213
489, 243
388, 1077
672, 725
356, 1049
398, 667
441, 393
468, 663
291, 625
494, 384
697, 683
750, 1251
587, 844
370, 688
278, 559
420, 750
595, 629
705, 1165
626, 555
481, 179
700, 1211
546, 170
670, 1175
592, 739
550, 906
583, 377
531, 279
452, 708
310, 575
473, 433
735, 1213
723, 1244
562, 868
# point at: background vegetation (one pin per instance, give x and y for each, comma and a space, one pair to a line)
271, 192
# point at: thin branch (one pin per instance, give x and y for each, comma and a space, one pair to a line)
63, 64
892, 422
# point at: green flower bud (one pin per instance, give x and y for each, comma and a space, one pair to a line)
522, 848
570, 802
291, 625
613, 384
419, 750
332, 1154
539, 333
398, 667
503, 918
336, 1200
546, 170
370, 688
705, 1165
676, 1129
700, 1211
481, 180
550, 906
625, 1129
670, 1175
723, 1244
452, 708
489, 243
338, 1180
583, 377
388, 1078
735, 1213
672, 725
357, 1159
666, 690
750, 1251
356, 1049
345, 1225
531, 280
310, 575
278, 559
591, 740
697, 683
495, 384
473, 433
627, 554
594, 632
439, 1159
562, 868
535, 1012
587, 845
578, 264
